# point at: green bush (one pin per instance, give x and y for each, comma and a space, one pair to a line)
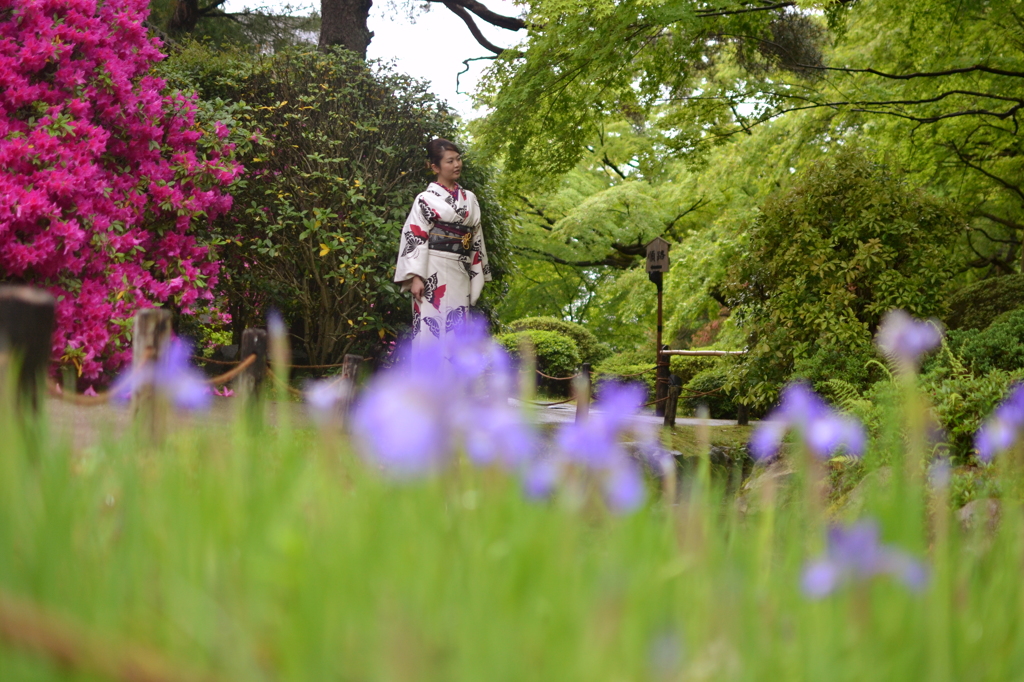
591, 350
963, 400
998, 346
977, 305
688, 366
315, 225
848, 241
557, 354
628, 366
708, 387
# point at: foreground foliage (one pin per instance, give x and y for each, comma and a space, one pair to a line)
256, 552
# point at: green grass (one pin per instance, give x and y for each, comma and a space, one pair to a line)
275, 555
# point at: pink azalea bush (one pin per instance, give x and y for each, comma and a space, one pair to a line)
105, 176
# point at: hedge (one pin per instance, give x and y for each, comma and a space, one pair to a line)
591, 350
557, 354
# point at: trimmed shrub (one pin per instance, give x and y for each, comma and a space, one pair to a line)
557, 354
999, 346
687, 367
591, 350
625, 367
708, 387
977, 305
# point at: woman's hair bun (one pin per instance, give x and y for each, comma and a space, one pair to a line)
437, 147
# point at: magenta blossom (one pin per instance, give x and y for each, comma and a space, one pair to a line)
108, 180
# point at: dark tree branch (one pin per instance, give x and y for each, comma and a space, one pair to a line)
700, 203
977, 68
986, 235
747, 7
993, 260
613, 260
970, 164
493, 18
1006, 222
608, 162
461, 13
203, 11
539, 213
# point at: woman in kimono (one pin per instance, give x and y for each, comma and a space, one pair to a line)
441, 259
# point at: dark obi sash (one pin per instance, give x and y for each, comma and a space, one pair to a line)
450, 237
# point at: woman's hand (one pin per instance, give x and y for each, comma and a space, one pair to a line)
416, 287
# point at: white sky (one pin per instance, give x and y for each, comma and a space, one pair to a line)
432, 48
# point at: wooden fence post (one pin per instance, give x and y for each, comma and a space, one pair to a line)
661, 383
254, 342
670, 405
349, 369
26, 336
742, 415
581, 387
151, 338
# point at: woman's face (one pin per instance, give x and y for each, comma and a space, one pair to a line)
451, 166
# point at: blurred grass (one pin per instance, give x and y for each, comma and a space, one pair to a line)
276, 555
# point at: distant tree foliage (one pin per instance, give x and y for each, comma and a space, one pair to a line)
827, 258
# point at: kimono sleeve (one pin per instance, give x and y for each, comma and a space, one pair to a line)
413, 254
480, 247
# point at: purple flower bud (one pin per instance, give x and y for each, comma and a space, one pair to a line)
624, 489
323, 399
906, 339
855, 552
171, 377
541, 478
999, 432
824, 431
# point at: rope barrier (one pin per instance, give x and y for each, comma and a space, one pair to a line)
560, 402
27, 626
655, 402
76, 398
546, 376
200, 358
280, 381
232, 373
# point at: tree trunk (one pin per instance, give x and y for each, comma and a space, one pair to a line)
184, 18
343, 22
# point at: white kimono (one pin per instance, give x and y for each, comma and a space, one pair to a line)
453, 282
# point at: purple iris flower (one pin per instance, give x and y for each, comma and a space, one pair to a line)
401, 424
171, 377
541, 477
438, 397
1000, 430
324, 398
855, 552
624, 488
824, 431
902, 337
595, 448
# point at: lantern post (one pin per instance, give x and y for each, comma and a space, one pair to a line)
657, 266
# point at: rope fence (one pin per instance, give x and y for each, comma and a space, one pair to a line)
29, 627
